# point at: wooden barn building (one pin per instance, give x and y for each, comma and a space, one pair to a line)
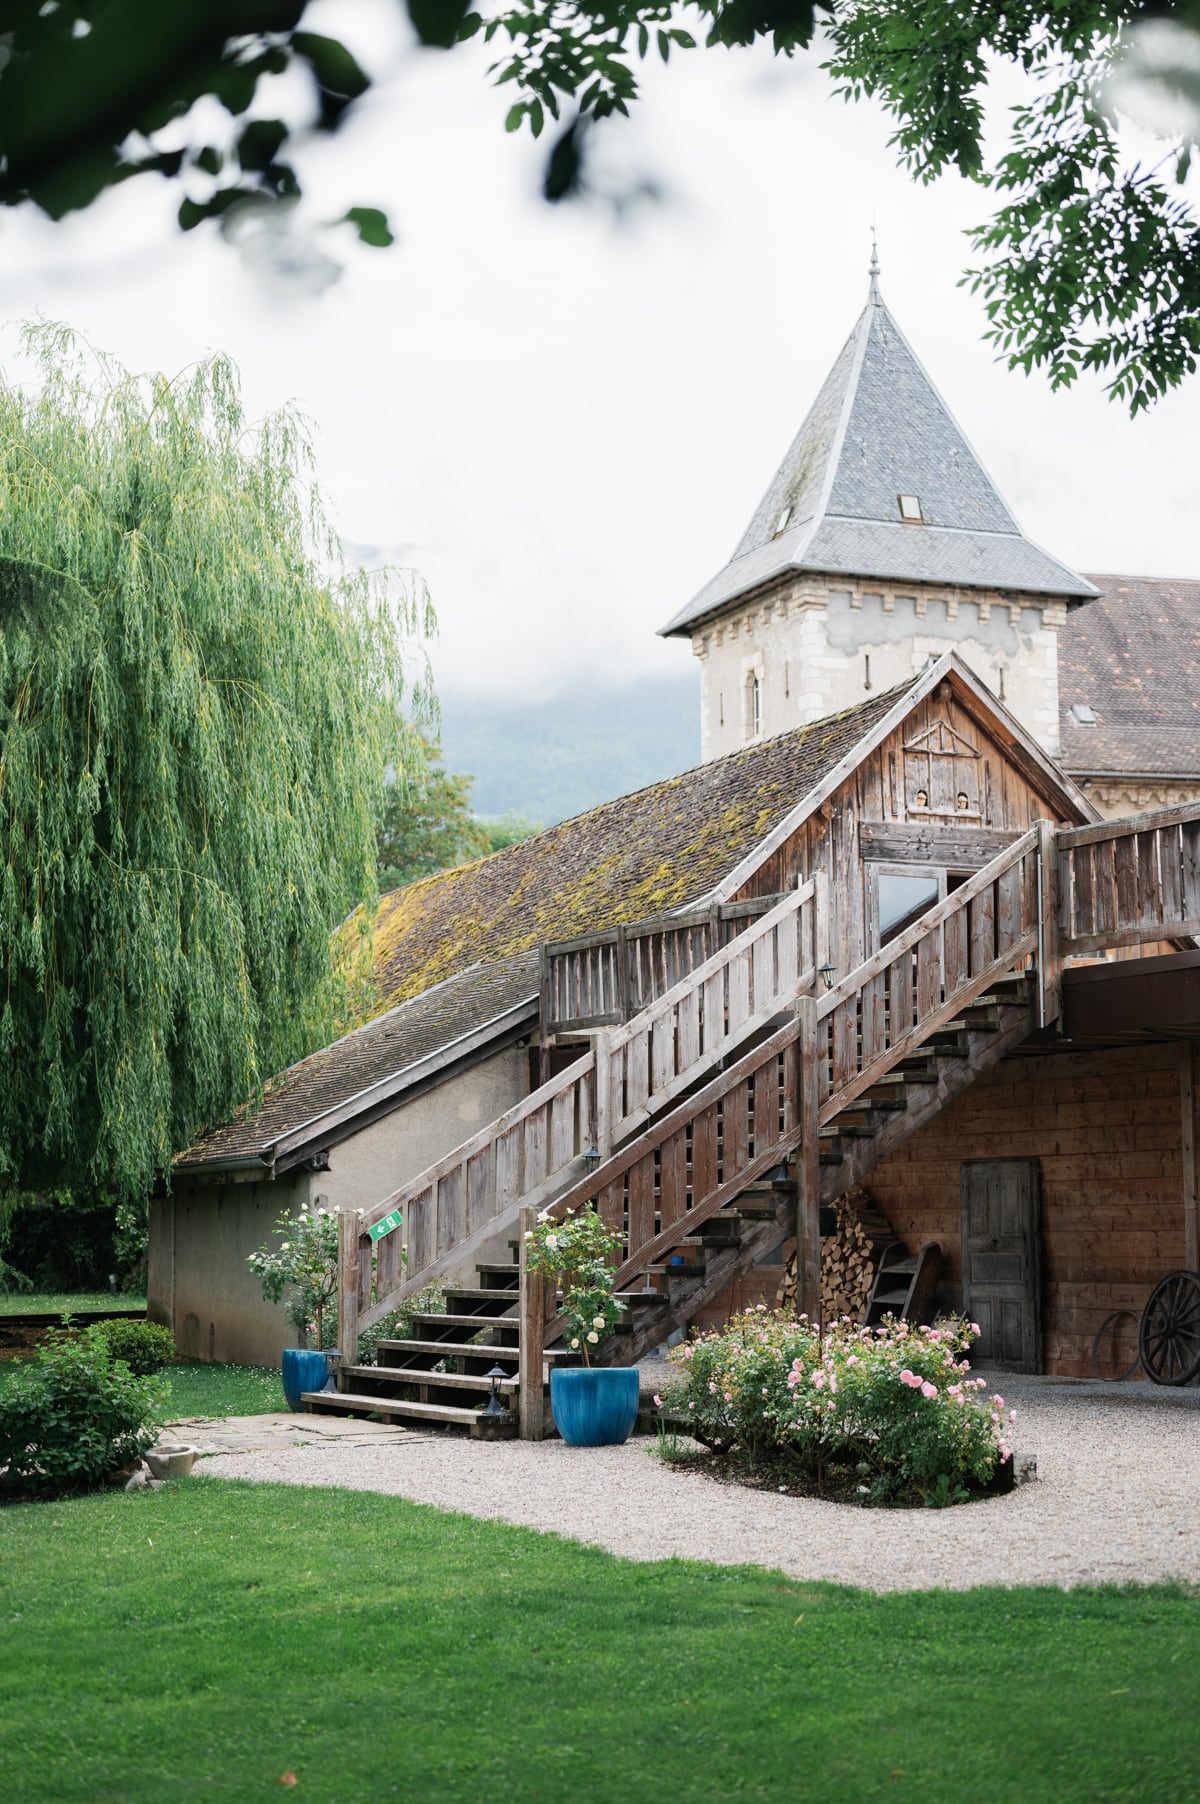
880, 937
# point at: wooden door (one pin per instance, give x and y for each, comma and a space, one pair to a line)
1002, 1260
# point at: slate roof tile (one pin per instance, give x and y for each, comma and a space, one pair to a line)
1133, 657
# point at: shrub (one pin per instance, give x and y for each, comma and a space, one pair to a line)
75, 1414
145, 1347
891, 1408
304, 1264
577, 1253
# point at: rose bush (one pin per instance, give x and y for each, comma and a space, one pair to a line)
894, 1409
577, 1254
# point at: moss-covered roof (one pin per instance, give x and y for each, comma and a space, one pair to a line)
454, 952
659, 849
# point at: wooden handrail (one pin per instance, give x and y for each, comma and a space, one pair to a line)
527, 1156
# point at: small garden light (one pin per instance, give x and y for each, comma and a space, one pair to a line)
494, 1405
827, 973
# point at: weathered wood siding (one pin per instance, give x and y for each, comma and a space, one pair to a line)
1107, 1130
883, 788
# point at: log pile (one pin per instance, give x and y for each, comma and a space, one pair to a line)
849, 1257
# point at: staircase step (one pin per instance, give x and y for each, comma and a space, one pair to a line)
508, 1271
389, 1406
480, 1293
448, 1349
462, 1324
461, 1381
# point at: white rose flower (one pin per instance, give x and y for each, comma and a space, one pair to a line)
575, 1342
593, 1337
597, 1321
552, 1240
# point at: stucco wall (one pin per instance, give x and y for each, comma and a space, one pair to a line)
199, 1284
816, 649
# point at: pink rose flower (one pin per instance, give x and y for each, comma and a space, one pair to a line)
929, 1390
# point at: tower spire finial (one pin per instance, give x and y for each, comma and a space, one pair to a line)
875, 295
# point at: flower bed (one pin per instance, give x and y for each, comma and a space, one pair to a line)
885, 1415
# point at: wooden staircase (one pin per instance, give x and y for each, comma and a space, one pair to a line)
721, 1115
905, 1285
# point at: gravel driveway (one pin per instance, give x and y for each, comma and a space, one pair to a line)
1116, 1499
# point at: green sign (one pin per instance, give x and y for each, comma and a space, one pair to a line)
394, 1220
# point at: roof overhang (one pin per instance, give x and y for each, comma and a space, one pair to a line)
353, 1113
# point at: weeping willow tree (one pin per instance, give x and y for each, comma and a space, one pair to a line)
195, 723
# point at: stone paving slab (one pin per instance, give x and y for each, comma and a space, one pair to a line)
254, 1434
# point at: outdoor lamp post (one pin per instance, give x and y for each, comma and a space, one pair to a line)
494, 1406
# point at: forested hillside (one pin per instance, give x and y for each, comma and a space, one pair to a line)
548, 760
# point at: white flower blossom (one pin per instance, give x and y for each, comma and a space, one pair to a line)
593, 1337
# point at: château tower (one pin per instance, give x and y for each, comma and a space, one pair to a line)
881, 542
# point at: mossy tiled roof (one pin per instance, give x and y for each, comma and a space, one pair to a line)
659, 849
391, 1044
454, 952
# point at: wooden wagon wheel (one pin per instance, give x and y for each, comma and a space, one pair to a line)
1169, 1339
1110, 1327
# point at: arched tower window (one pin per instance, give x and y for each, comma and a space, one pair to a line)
753, 706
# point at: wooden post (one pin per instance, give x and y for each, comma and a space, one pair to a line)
602, 1115
1191, 1200
1049, 958
348, 1239
808, 1168
821, 926
533, 1337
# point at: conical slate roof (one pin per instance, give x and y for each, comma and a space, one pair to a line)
879, 430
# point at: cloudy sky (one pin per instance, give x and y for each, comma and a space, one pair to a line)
563, 420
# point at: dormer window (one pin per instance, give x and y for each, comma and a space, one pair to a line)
1082, 715
782, 521
910, 510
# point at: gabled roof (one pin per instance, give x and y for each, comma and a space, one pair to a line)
879, 429
1133, 659
457, 955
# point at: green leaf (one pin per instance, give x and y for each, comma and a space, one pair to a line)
437, 22
514, 116
331, 63
371, 225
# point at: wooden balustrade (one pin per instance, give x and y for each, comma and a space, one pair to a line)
603, 979
1128, 882
459, 1203
700, 1156
918, 981
671, 1044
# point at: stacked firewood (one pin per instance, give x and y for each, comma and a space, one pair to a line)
848, 1257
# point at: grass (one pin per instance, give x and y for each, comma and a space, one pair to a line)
210, 1390
64, 1303
207, 1640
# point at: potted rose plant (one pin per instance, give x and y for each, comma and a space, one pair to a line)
304, 1264
593, 1406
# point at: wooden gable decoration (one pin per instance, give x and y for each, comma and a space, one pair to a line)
942, 774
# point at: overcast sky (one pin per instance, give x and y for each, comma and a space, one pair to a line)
564, 422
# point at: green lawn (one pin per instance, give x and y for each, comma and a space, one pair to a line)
209, 1390
36, 1302
207, 1640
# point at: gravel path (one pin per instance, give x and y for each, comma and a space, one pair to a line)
1116, 1500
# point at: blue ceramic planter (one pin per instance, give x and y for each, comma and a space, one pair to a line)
303, 1371
596, 1406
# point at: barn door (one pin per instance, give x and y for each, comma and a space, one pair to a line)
1002, 1260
